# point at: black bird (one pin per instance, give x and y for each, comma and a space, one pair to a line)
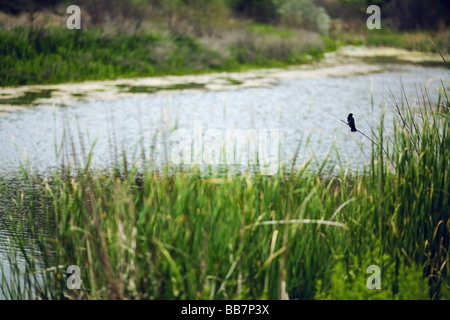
351, 122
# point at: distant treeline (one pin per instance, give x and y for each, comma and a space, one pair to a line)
401, 15
398, 14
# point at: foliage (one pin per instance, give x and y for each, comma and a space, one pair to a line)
52, 55
170, 233
303, 13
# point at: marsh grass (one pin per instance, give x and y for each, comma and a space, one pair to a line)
142, 232
28, 98
386, 37
56, 55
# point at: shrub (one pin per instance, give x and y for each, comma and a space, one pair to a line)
303, 13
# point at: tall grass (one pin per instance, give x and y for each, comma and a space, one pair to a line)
186, 234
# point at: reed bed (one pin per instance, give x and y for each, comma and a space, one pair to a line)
174, 233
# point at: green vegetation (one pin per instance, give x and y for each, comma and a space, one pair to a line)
125, 39
151, 89
234, 81
58, 55
172, 233
28, 98
414, 40
176, 234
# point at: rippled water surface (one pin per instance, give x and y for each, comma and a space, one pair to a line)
297, 107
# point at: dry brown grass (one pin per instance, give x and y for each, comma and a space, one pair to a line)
39, 19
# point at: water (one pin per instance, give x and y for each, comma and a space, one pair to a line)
298, 108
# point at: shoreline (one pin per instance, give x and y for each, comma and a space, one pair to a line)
346, 61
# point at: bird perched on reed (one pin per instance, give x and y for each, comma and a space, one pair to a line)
351, 122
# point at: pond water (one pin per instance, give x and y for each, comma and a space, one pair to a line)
297, 108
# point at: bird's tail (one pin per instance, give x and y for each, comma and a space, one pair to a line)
354, 130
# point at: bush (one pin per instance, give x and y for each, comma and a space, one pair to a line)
303, 13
